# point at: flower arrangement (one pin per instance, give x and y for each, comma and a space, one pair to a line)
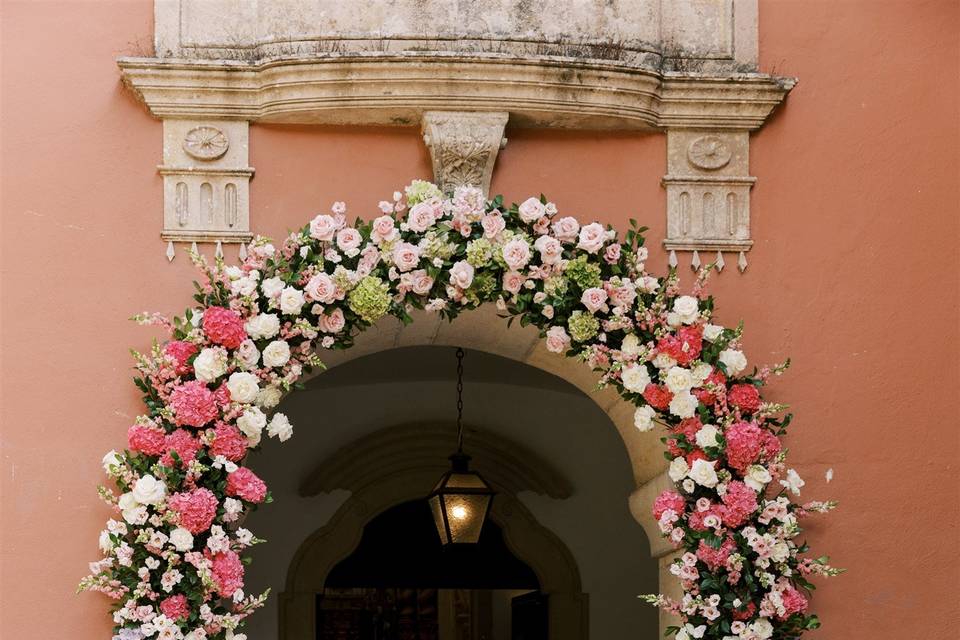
173, 555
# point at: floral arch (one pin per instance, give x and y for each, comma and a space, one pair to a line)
173, 556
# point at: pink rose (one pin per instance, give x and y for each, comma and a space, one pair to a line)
566, 229
592, 237
594, 299
612, 254
557, 340
421, 282
492, 223
422, 216
323, 227
332, 323
622, 296
531, 210
406, 256
513, 281
384, 230
461, 274
348, 240
516, 254
369, 258
551, 251
321, 288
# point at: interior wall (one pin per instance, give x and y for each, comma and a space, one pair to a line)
522, 404
853, 276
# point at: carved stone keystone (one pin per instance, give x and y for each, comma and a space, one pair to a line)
463, 146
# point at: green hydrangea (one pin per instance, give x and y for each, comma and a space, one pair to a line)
483, 287
555, 286
420, 191
583, 326
584, 273
479, 252
370, 299
435, 245
342, 277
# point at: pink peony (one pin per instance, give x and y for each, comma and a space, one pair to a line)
146, 440
183, 442
224, 327
716, 558
669, 500
196, 509
175, 607
193, 404
180, 351
245, 484
228, 442
745, 397
744, 442
227, 572
739, 502
657, 396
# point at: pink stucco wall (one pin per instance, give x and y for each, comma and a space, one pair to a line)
854, 276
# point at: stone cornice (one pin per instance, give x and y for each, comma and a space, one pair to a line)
396, 89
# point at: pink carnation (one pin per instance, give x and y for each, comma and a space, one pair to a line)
224, 327
228, 442
180, 351
186, 446
175, 607
193, 404
669, 500
716, 558
744, 442
227, 572
745, 397
196, 508
245, 484
146, 440
739, 502
793, 602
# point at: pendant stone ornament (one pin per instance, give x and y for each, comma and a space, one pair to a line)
720, 264
463, 147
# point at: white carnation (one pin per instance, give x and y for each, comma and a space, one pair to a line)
262, 326
635, 378
272, 287
251, 423
678, 469
280, 427
643, 418
276, 354
631, 345
210, 364
243, 386
269, 397
663, 361
683, 404
733, 360
181, 539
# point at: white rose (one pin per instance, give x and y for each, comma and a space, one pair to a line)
243, 386
269, 397
711, 332
630, 345
762, 628
181, 539
531, 210
707, 436
703, 473
272, 287
248, 354
635, 378
688, 308
210, 364
679, 379
149, 490
291, 301
683, 405
733, 360
263, 325
674, 319
111, 459
276, 354
643, 418
678, 469
251, 423
757, 477
280, 427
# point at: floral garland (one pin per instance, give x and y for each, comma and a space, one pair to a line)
172, 558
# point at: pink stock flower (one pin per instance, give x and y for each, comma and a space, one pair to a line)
196, 509
245, 484
706, 396
193, 404
228, 442
745, 397
224, 327
668, 500
227, 572
175, 607
180, 351
146, 440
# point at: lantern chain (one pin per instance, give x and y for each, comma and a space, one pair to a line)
459, 400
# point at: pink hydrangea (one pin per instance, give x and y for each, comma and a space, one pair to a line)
745, 397
148, 440
716, 558
228, 442
793, 602
224, 327
183, 442
196, 509
668, 500
739, 502
744, 442
193, 404
245, 484
180, 351
222, 395
227, 570
175, 607
657, 396
685, 347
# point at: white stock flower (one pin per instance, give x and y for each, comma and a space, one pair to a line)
678, 469
181, 539
687, 308
111, 459
703, 473
262, 326
684, 404
243, 387
733, 360
635, 378
210, 364
707, 436
643, 418
149, 490
251, 423
291, 301
793, 482
280, 427
757, 477
276, 354
679, 379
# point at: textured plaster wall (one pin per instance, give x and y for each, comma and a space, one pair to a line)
854, 276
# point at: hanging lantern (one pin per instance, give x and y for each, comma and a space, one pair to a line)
461, 500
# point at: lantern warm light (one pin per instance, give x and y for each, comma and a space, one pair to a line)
461, 500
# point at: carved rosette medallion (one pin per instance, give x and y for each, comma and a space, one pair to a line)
463, 146
206, 143
709, 153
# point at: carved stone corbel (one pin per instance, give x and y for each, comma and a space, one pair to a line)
463, 146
